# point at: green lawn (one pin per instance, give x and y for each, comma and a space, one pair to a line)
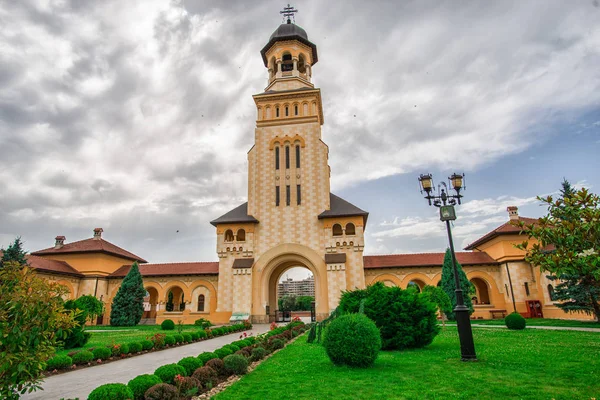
529, 364
117, 335
541, 322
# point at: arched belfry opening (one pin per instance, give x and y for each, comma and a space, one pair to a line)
287, 64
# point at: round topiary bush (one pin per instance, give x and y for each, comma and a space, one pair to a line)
217, 365
125, 348
206, 375
162, 391
223, 352
190, 364
195, 335
258, 353
170, 340
167, 373
202, 334
102, 353
233, 347
206, 356
515, 321
141, 383
187, 337
277, 344
59, 362
147, 344
178, 338
83, 357
135, 347
188, 386
167, 325
236, 364
353, 340
112, 391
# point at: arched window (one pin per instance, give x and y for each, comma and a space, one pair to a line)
481, 291
337, 230
287, 111
287, 157
350, 229
241, 235
201, 302
286, 62
276, 112
229, 235
296, 109
551, 292
301, 64
297, 155
414, 285
277, 157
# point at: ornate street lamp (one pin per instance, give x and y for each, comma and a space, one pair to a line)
446, 202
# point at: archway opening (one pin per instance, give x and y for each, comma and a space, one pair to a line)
482, 293
150, 302
389, 283
291, 293
175, 300
416, 284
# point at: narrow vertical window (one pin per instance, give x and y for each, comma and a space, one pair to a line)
287, 112
527, 288
287, 195
201, 302
297, 156
277, 112
296, 109
277, 196
551, 293
287, 157
298, 195
276, 157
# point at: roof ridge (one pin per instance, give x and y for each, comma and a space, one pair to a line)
181, 262
414, 254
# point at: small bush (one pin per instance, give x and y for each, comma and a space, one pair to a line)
147, 344
223, 352
115, 350
352, 339
195, 335
202, 334
167, 325
125, 348
515, 321
135, 347
258, 354
187, 337
206, 356
141, 383
190, 364
102, 353
233, 347
236, 364
111, 391
187, 387
83, 357
206, 375
277, 344
217, 365
170, 340
59, 362
158, 340
178, 338
203, 323
162, 391
167, 373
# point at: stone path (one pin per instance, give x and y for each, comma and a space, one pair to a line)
79, 383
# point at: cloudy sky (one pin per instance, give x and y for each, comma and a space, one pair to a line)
136, 116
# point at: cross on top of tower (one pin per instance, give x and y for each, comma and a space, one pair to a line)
288, 12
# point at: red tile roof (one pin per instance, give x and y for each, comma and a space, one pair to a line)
425, 260
52, 266
91, 246
169, 269
505, 229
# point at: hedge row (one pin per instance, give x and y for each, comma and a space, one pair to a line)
156, 341
194, 375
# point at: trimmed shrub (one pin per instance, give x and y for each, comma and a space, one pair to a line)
236, 364
203, 323
206, 356
58, 362
124, 348
178, 338
141, 383
276, 344
111, 391
188, 387
190, 364
167, 325
102, 353
135, 347
515, 321
167, 373
187, 337
405, 318
202, 334
162, 391
194, 335
170, 340
147, 344
83, 357
158, 340
258, 353
233, 347
243, 353
251, 340
223, 352
206, 375
353, 340
217, 365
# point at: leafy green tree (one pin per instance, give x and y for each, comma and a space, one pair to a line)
77, 336
288, 303
90, 305
303, 303
449, 286
567, 245
15, 253
440, 299
128, 305
32, 323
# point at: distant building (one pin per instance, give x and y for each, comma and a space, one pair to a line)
290, 287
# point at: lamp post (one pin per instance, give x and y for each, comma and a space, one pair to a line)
446, 202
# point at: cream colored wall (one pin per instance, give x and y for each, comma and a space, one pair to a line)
91, 263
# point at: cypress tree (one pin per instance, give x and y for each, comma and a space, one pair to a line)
128, 306
449, 287
14, 253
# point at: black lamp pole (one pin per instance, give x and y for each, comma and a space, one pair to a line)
446, 205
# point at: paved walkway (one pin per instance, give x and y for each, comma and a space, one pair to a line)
79, 383
550, 328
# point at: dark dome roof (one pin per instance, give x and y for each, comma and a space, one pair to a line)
286, 30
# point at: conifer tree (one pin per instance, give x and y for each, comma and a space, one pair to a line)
14, 253
128, 306
449, 287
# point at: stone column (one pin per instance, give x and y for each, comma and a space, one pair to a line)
295, 70
278, 72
